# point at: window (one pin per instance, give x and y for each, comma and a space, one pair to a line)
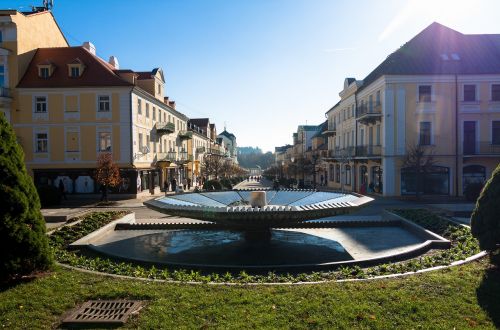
495, 132
159, 89
44, 73
1, 36
74, 72
2, 76
424, 93
103, 101
352, 110
469, 93
495, 92
337, 173
370, 103
104, 141
348, 175
154, 113
140, 141
147, 110
139, 106
42, 142
425, 133
377, 98
41, 104
377, 137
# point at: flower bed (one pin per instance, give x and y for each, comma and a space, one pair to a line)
463, 245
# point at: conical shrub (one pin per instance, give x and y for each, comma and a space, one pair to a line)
24, 245
485, 220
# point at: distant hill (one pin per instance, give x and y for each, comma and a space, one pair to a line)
249, 150
251, 160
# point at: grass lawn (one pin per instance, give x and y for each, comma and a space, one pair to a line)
461, 297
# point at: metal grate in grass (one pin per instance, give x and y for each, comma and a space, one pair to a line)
103, 312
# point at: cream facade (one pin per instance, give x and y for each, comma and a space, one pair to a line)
20, 35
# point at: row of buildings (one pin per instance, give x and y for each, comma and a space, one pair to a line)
67, 105
439, 94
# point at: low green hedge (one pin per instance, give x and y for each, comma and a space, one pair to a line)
463, 246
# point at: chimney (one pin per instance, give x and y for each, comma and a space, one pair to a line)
171, 104
89, 46
165, 100
114, 62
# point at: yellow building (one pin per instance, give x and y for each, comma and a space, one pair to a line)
440, 92
21, 33
74, 105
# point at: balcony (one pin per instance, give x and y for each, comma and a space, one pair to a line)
481, 148
331, 130
170, 156
369, 151
367, 114
184, 157
185, 135
165, 128
341, 153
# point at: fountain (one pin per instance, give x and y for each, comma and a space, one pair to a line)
285, 230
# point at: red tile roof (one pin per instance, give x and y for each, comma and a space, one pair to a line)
97, 72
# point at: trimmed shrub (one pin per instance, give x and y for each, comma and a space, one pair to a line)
22, 228
49, 195
485, 220
472, 191
212, 185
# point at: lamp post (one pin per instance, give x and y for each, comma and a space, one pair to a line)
315, 159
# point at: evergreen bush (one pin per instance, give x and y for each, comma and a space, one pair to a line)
485, 220
25, 246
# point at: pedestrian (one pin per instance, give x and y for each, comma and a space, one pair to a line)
189, 183
174, 184
184, 184
62, 190
165, 186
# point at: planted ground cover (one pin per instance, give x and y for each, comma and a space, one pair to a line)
453, 298
463, 246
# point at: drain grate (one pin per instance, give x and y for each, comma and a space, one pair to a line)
109, 312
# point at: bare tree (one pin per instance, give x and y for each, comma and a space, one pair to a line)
419, 159
212, 165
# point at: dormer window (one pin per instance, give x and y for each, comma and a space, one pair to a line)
75, 68
74, 72
45, 70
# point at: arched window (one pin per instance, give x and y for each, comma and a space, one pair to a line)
473, 174
348, 175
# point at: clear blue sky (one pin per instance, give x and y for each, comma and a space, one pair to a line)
263, 67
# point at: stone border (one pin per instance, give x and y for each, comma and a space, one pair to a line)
85, 241
431, 241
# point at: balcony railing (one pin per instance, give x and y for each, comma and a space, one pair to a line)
369, 113
331, 129
165, 128
368, 151
341, 152
5, 92
170, 156
185, 135
481, 148
184, 157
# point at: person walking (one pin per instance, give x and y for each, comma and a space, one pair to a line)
189, 183
62, 190
184, 183
174, 184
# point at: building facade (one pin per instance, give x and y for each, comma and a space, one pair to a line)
440, 93
74, 106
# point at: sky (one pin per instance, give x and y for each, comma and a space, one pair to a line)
258, 67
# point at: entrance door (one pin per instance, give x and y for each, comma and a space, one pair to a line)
469, 137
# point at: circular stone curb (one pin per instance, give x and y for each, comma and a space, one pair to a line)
425, 270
